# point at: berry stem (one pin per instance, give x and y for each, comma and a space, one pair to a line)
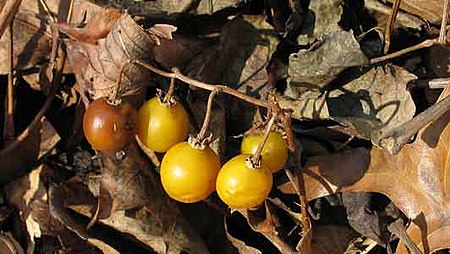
256, 157
203, 130
176, 74
170, 91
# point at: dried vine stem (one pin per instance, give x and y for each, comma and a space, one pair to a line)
225, 89
256, 157
202, 134
9, 128
299, 183
170, 91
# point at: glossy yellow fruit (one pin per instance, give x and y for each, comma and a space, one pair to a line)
241, 186
189, 174
274, 153
161, 126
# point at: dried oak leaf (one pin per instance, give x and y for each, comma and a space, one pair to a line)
97, 67
416, 180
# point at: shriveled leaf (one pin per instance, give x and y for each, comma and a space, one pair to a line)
240, 245
97, 28
377, 100
322, 18
332, 239
18, 158
416, 180
263, 221
28, 194
140, 207
429, 10
32, 32
125, 181
97, 67
254, 75
314, 68
382, 11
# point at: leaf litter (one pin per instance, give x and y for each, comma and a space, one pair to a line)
316, 56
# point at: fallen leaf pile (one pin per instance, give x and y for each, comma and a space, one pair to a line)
368, 131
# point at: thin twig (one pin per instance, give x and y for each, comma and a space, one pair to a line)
225, 89
442, 32
10, 132
202, 134
390, 25
424, 44
299, 185
7, 14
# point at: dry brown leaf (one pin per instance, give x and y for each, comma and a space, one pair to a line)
139, 206
240, 245
430, 10
97, 28
416, 180
17, 159
97, 66
262, 221
377, 99
316, 67
332, 239
32, 31
28, 194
